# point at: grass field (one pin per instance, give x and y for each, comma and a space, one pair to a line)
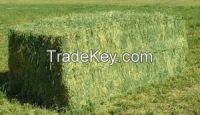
108, 2
177, 95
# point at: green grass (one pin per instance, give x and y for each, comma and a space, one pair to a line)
103, 2
14, 107
179, 94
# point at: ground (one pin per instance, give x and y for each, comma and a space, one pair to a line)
177, 95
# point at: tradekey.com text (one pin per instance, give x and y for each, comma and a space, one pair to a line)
100, 57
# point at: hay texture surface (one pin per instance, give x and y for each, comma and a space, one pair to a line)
80, 85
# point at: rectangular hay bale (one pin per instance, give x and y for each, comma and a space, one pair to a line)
79, 85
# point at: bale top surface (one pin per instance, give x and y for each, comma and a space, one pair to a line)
62, 26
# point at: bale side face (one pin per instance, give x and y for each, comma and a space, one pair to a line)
89, 84
32, 77
93, 83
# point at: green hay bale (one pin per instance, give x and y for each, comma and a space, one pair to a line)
84, 85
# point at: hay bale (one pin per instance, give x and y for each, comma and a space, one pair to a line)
84, 85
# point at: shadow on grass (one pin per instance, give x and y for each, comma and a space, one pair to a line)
4, 81
5, 88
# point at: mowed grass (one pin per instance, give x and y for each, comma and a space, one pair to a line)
14, 107
103, 2
176, 95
